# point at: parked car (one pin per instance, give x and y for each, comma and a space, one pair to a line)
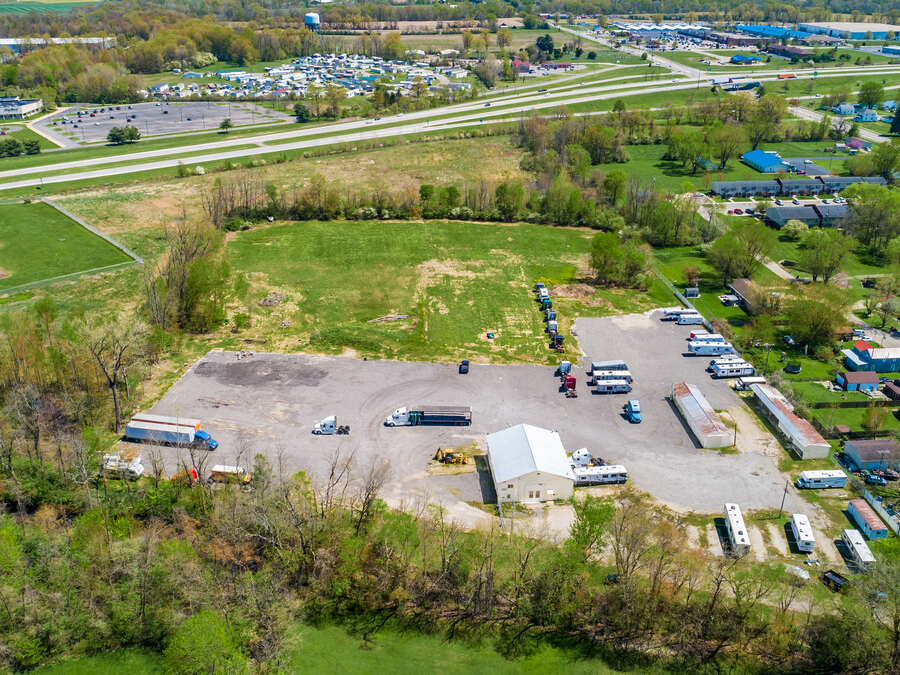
778, 202
738, 212
872, 479
795, 201
464, 367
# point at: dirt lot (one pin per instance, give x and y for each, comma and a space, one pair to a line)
174, 117
269, 403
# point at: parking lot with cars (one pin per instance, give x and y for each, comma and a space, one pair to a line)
155, 119
269, 403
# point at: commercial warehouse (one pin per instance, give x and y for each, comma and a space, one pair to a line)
800, 434
529, 464
870, 455
700, 417
851, 31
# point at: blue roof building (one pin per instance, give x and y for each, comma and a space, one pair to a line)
843, 109
772, 31
866, 115
865, 357
762, 161
741, 59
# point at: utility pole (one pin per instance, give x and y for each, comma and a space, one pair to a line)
783, 497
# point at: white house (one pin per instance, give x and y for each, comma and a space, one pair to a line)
529, 464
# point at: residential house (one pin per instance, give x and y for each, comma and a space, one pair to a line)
843, 109
870, 455
762, 161
892, 391
744, 188
800, 186
747, 292
832, 215
160, 88
834, 184
864, 356
778, 216
866, 115
862, 380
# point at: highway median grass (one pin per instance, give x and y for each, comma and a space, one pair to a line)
38, 243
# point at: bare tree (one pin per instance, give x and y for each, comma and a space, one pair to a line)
377, 474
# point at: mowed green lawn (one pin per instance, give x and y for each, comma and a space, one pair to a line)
456, 281
37, 242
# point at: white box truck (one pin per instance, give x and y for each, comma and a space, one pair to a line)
829, 478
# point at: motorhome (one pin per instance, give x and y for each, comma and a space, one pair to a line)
613, 387
709, 348
599, 375
673, 313
860, 555
689, 319
600, 475
828, 478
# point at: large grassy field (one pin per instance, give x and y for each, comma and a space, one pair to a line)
456, 282
37, 242
47, 6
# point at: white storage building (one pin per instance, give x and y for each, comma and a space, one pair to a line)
706, 424
800, 434
529, 464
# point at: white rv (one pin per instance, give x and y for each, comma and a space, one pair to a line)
690, 319
829, 478
613, 387
732, 370
709, 348
725, 359
803, 534
738, 538
600, 375
673, 313
860, 555
709, 337
600, 475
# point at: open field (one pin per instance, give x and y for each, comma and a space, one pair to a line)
37, 243
46, 6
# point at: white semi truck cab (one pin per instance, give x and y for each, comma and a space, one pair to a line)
327, 426
399, 418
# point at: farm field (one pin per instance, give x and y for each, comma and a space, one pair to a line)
47, 6
445, 285
37, 243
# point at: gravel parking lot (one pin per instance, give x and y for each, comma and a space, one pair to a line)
269, 403
167, 118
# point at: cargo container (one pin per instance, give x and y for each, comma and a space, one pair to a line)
166, 419
803, 534
829, 478
448, 415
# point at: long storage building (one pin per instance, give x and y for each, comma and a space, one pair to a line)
705, 422
800, 434
867, 520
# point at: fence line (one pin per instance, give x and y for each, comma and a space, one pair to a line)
127, 251
853, 404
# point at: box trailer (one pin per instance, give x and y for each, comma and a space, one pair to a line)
599, 375
689, 319
829, 478
613, 387
709, 348
614, 474
803, 534
732, 370
167, 419
460, 416
165, 434
738, 539
860, 555
617, 364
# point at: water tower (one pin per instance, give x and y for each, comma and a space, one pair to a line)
312, 22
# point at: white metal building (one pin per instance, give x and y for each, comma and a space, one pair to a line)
700, 417
803, 534
737, 530
800, 434
529, 464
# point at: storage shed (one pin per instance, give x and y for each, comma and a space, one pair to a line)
800, 434
870, 455
866, 519
700, 417
529, 464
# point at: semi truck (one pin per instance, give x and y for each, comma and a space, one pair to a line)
168, 434
460, 416
329, 426
829, 478
633, 411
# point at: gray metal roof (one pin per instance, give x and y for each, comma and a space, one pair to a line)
523, 449
800, 432
694, 403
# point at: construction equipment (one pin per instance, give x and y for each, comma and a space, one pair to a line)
445, 457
